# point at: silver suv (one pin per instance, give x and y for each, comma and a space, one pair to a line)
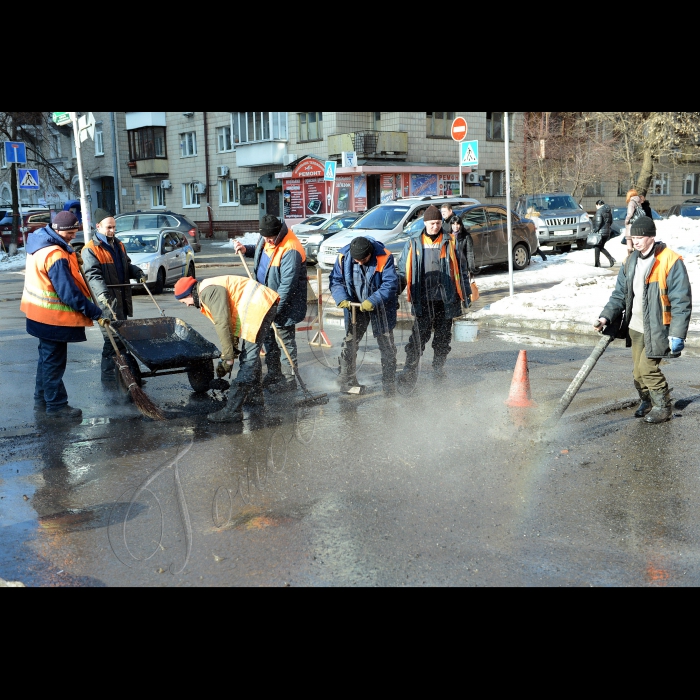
560, 221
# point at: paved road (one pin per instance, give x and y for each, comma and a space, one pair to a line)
442, 486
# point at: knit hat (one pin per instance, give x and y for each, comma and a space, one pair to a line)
65, 221
360, 248
432, 214
184, 287
644, 226
101, 215
270, 227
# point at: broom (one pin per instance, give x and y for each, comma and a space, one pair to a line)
141, 400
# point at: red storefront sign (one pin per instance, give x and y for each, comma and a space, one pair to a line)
310, 167
387, 189
293, 199
360, 192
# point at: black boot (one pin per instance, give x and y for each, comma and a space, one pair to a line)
108, 369
255, 397
645, 407
347, 379
389, 388
65, 413
439, 368
663, 407
233, 411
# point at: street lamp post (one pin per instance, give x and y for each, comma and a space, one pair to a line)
84, 208
508, 204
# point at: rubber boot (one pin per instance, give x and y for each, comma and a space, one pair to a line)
233, 411
663, 407
284, 384
108, 369
271, 378
409, 373
389, 388
439, 368
255, 397
346, 379
646, 406
65, 413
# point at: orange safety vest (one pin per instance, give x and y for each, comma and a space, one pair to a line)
454, 265
659, 275
290, 242
103, 256
249, 302
382, 260
40, 302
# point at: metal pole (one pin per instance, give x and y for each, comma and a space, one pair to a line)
83, 198
461, 176
508, 205
19, 207
115, 164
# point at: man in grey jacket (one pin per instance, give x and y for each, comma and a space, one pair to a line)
653, 303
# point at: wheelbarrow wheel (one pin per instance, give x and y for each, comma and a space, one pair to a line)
135, 371
201, 376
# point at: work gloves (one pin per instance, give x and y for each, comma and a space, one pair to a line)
223, 368
143, 280
367, 306
105, 300
104, 322
344, 305
141, 276
677, 345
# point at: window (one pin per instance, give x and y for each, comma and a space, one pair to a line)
158, 197
475, 221
377, 121
3, 162
310, 126
692, 184
494, 126
228, 191
250, 127
190, 198
188, 144
662, 184
147, 143
594, 189
624, 186
54, 147
495, 183
439, 124
99, 140
225, 134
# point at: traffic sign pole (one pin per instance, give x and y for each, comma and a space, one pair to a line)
460, 128
85, 211
508, 204
19, 205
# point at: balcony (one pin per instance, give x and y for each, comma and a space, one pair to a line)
389, 145
148, 154
261, 153
154, 167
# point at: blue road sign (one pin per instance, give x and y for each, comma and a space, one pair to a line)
330, 169
15, 153
470, 154
28, 179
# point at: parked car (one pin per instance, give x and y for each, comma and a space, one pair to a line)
687, 211
311, 224
560, 221
488, 226
385, 223
31, 222
312, 240
160, 220
619, 216
164, 256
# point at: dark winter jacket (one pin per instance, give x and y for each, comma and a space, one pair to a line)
286, 275
668, 302
380, 286
412, 273
603, 223
64, 284
106, 268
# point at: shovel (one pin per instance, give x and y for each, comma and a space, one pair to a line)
309, 398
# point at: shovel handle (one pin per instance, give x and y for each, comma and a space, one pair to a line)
162, 313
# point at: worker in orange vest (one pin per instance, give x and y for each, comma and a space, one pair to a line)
242, 312
58, 307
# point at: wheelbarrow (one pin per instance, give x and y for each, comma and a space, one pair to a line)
167, 346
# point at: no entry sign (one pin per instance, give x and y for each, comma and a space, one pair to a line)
459, 129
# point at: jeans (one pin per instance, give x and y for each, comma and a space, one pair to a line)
432, 321
250, 371
50, 388
387, 348
647, 375
273, 357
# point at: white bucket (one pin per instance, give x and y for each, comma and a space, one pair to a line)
466, 331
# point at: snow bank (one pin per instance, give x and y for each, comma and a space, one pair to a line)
582, 294
247, 239
11, 264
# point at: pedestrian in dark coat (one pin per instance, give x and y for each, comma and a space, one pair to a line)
58, 307
602, 225
365, 274
653, 303
465, 252
280, 264
447, 215
430, 271
109, 271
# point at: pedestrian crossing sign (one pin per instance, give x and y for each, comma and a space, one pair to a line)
28, 179
330, 169
470, 154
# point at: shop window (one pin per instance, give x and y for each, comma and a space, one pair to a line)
99, 140
228, 193
310, 126
158, 197
147, 143
439, 124
662, 185
188, 144
190, 198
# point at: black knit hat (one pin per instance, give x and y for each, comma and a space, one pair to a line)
432, 214
270, 227
101, 215
360, 248
644, 226
65, 221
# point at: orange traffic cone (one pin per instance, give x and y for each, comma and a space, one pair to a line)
520, 394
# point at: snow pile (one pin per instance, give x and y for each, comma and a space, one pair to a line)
11, 264
583, 295
247, 239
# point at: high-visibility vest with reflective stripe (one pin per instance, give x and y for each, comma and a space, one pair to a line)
248, 301
659, 275
103, 256
40, 302
290, 242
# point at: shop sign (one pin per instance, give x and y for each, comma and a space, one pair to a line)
294, 199
309, 168
317, 196
360, 190
343, 195
387, 189
424, 185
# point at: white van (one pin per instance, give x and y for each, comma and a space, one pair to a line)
385, 223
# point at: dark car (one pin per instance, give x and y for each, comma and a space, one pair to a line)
618, 224
488, 226
158, 220
312, 240
686, 210
31, 221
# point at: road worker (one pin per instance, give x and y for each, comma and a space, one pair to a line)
242, 312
